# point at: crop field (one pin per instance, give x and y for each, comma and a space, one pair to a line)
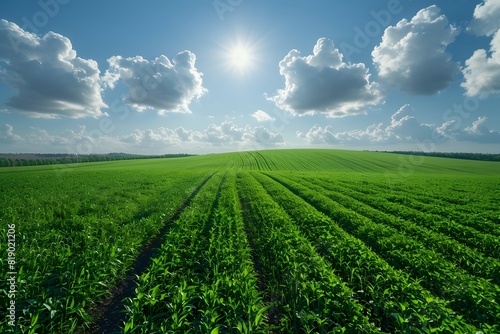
278, 241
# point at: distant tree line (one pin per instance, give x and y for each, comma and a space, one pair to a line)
455, 155
15, 160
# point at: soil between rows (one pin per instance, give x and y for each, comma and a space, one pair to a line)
110, 311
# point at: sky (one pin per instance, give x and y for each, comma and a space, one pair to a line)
186, 76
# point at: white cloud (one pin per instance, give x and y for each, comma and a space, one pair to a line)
230, 134
183, 135
265, 138
262, 116
477, 132
151, 138
50, 81
226, 133
38, 140
404, 128
226, 136
7, 135
486, 18
482, 69
160, 84
323, 83
412, 57
319, 135
482, 72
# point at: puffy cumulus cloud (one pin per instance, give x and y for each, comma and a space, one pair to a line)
319, 135
404, 128
7, 135
263, 137
412, 57
159, 84
262, 116
82, 141
230, 134
486, 18
482, 69
183, 134
36, 140
160, 137
323, 83
477, 132
216, 137
49, 79
374, 133
226, 134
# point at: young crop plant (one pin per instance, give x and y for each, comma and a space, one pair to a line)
203, 279
167, 291
394, 302
441, 201
487, 243
77, 234
230, 288
305, 294
271, 241
470, 259
439, 276
231, 275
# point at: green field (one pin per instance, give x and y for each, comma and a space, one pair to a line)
285, 241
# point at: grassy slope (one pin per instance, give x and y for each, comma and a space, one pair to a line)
290, 160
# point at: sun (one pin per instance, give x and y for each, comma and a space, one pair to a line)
242, 53
240, 57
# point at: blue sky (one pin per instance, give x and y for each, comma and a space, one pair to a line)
157, 77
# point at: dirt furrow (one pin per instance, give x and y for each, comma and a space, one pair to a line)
110, 311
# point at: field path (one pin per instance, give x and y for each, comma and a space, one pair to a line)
111, 316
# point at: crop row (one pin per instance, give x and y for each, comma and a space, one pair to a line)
253, 251
202, 280
470, 201
305, 294
478, 208
475, 298
306, 160
75, 239
394, 301
470, 259
486, 243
